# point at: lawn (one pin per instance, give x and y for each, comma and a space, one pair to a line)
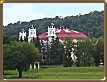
59, 72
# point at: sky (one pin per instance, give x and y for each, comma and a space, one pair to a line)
14, 12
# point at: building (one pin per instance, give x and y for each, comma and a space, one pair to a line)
22, 35
62, 33
31, 35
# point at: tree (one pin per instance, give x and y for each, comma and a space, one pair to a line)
84, 53
67, 60
56, 51
98, 51
18, 55
7, 39
37, 43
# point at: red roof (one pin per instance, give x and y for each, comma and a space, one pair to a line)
64, 34
78, 35
43, 36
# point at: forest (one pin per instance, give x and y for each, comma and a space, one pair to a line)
91, 24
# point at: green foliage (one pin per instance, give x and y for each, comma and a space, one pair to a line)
52, 52
98, 52
91, 23
19, 55
84, 53
7, 39
67, 60
37, 43
90, 52
56, 51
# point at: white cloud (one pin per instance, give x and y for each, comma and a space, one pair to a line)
19, 12
14, 12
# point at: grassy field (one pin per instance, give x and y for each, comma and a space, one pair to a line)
59, 72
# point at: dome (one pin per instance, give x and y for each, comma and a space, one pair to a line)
63, 33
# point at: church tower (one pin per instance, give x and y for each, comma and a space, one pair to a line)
22, 35
32, 33
51, 32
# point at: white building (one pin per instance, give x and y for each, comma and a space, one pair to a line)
51, 32
22, 35
32, 33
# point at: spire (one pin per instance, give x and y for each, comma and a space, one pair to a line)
52, 24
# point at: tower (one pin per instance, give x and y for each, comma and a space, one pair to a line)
22, 35
32, 33
51, 32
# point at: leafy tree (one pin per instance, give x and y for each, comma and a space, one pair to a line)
18, 55
84, 53
56, 52
90, 52
67, 60
7, 39
98, 51
37, 43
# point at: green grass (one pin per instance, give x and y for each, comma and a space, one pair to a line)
59, 72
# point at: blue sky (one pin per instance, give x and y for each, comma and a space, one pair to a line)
13, 12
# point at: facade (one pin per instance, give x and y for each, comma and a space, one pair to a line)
22, 35
51, 32
62, 33
31, 35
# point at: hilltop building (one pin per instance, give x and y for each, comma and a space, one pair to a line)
62, 33
22, 35
31, 35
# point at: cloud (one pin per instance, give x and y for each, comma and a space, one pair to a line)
19, 12
14, 12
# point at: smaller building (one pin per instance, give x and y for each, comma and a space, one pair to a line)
31, 35
22, 35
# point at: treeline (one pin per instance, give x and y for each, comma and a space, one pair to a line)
85, 53
88, 53
91, 24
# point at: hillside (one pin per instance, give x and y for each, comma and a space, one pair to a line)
91, 24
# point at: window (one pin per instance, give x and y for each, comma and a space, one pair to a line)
50, 32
